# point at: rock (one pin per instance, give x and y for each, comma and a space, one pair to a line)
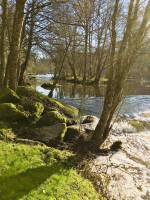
85, 129
68, 110
10, 113
49, 85
51, 118
71, 121
4, 125
126, 173
7, 135
38, 109
8, 96
34, 108
44, 134
30, 92
89, 119
72, 134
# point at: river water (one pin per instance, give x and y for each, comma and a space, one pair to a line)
90, 99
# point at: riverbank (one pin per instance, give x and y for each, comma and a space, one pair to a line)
126, 172
36, 123
40, 172
30, 124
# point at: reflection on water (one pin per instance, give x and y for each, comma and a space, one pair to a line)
90, 99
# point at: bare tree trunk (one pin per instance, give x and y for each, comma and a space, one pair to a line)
85, 53
12, 64
121, 63
102, 129
24, 65
3, 43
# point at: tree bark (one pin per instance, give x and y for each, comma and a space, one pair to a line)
24, 65
12, 64
3, 43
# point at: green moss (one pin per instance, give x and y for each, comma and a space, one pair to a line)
4, 125
28, 92
7, 134
33, 107
8, 96
68, 110
38, 109
51, 118
10, 113
38, 172
139, 125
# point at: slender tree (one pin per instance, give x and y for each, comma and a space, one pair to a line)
12, 63
3, 42
121, 63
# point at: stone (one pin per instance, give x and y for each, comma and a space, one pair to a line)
126, 172
8, 96
51, 118
85, 129
44, 134
10, 113
49, 85
66, 109
33, 107
72, 134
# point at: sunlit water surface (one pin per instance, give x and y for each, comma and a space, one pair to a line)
90, 99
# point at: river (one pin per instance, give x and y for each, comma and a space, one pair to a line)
90, 99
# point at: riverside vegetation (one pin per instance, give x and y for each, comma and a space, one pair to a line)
29, 171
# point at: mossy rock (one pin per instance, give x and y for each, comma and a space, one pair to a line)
139, 125
7, 135
27, 91
51, 118
10, 113
66, 109
44, 134
4, 125
72, 134
49, 85
8, 96
34, 108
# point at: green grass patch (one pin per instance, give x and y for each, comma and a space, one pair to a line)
40, 173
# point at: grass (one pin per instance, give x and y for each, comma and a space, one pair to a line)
40, 173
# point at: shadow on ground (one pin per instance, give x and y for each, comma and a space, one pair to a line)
17, 186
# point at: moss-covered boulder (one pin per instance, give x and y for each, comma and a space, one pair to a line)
10, 113
72, 134
49, 85
4, 125
51, 118
8, 96
66, 109
27, 91
7, 135
44, 134
140, 125
33, 107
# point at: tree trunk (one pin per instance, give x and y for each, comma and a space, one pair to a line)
24, 65
85, 53
2, 43
13, 57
